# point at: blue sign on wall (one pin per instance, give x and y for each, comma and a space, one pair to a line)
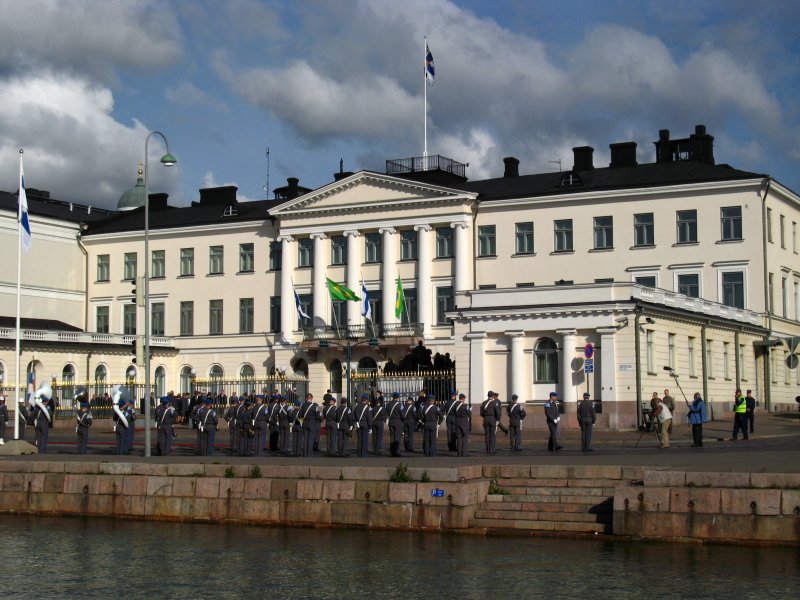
588, 365
437, 493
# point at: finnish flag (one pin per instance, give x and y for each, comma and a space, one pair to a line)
300, 310
24, 225
366, 309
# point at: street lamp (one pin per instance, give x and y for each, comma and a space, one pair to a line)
168, 161
348, 353
193, 373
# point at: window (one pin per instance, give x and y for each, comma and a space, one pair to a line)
160, 382
103, 267
671, 348
731, 223
523, 242
215, 317
769, 225
101, 319
444, 242
692, 359
338, 250
689, 285
444, 303
546, 354
247, 375
100, 377
563, 235
339, 313
157, 264
408, 245
246, 258
187, 318
410, 313
771, 292
782, 231
230, 211
307, 304
785, 296
487, 242
643, 230
275, 256
646, 280
215, 260
376, 306
157, 318
130, 266
187, 380
726, 367
335, 381
710, 359
129, 319
733, 289
187, 262
687, 226
215, 374
275, 314
246, 308
372, 248
603, 233
651, 358
305, 252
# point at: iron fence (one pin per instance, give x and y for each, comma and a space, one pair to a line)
438, 383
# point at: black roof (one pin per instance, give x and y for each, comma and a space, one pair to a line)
47, 324
40, 204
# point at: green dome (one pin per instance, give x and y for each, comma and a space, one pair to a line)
134, 197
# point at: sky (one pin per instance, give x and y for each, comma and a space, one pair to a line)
315, 81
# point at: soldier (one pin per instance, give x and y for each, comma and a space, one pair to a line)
450, 420
395, 419
272, 418
208, 427
409, 414
344, 426
130, 413
23, 414
230, 419
491, 416
364, 424
84, 419
516, 413
297, 429
284, 428
261, 425
120, 424
41, 423
311, 418
246, 430
3, 419
378, 425
587, 418
553, 418
238, 447
329, 413
165, 419
194, 420
463, 421
431, 419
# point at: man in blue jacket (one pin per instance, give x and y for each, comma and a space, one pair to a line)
697, 416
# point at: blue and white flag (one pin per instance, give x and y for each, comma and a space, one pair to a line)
366, 309
24, 225
300, 310
31, 386
430, 71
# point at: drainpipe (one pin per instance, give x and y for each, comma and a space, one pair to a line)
85, 283
736, 354
704, 367
637, 350
768, 350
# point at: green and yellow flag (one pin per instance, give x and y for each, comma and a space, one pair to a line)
400, 300
340, 292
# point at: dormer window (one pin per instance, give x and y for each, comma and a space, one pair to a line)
571, 179
230, 211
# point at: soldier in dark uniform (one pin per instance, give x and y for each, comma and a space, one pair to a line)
194, 420
84, 420
208, 427
431, 419
364, 424
238, 446
41, 423
284, 428
165, 419
463, 421
553, 418
395, 419
312, 421
130, 414
409, 424
586, 419
3, 419
491, 417
272, 418
261, 425
246, 429
379, 417
450, 420
329, 414
230, 419
344, 426
516, 413
120, 422
297, 429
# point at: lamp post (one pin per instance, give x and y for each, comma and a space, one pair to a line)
168, 161
193, 374
348, 353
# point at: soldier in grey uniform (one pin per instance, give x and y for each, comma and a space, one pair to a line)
395, 419
284, 429
587, 419
272, 417
364, 425
246, 430
463, 413
516, 414
431, 418
378, 425
450, 420
297, 429
345, 421
331, 433
409, 413
3, 420
208, 427
84, 420
261, 425
312, 421
491, 417
230, 419
165, 419
553, 418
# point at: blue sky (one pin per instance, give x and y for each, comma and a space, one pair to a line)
82, 82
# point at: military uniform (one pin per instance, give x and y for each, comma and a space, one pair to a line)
260, 425
297, 429
23, 414
379, 417
345, 421
230, 419
208, 428
312, 421
409, 414
463, 420
3, 419
274, 429
395, 419
41, 424
491, 417
450, 421
284, 429
431, 418
84, 421
165, 420
329, 414
120, 428
516, 413
364, 425
553, 417
587, 419
246, 430
130, 414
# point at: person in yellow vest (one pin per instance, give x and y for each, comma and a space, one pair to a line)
739, 416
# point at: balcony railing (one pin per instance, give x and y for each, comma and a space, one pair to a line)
380, 331
79, 337
416, 164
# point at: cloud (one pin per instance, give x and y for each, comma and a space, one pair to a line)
186, 94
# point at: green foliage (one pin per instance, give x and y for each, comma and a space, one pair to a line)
401, 474
255, 472
425, 478
496, 490
229, 473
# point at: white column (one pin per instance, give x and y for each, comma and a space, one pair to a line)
608, 364
477, 353
354, 259
517, 383
462, 262
424, 265
288, 308
568, 341
388, 274
320, 314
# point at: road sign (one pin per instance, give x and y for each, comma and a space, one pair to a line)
588, 351
588, 365
437, 493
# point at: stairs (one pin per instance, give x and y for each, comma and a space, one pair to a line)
572, 507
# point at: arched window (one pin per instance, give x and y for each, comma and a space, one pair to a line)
2, 373
100, 380
186, 380
335, 377
546, 353
301, 368
247, 379
160, 382
215, 374
367, 363
67, 382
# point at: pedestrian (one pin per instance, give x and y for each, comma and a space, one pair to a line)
409, 413
431, 419
663, 416
364, 424
329, 414
553, 417
261, 425
345, 421
208, 427
379, 417
750, 410
516, 414
654, 400
586, 420
311, 418
697, 416
491, 416
670, 402
450, 420
165, 420
395, 419
739, 416
463, 423
84, 420
3, 419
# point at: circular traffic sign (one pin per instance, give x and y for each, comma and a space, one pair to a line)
588, 351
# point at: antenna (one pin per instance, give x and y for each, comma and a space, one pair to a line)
556, 162
266, 185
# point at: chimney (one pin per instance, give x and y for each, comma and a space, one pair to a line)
342, 173
218, 195
702, 145
663, 147
158, 201
583, 156
512, 166
623, 154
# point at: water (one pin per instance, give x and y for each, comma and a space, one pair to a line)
104, 558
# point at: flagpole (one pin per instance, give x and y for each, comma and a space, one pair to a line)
19, 286
425, 88
405, 304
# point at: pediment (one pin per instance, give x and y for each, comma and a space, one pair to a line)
366, 189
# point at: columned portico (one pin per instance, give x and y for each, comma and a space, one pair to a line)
463, 262
517, 383
321, 260
567, 393
388, 273
353, 263
288, 309
424, 262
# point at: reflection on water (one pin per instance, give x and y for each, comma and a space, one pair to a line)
104, 558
